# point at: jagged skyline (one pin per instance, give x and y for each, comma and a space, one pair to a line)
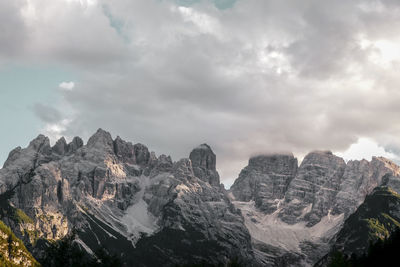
246, 77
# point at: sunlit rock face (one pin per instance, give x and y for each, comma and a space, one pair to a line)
148, 210
292, 212
152, 211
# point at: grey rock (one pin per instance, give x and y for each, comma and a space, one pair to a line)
204, 164
142, 154
324, 193
316, 183
12, 156
196, 217
75, 144
359, 179
60, 147
265, 180
101, 140
144, 208
125, 151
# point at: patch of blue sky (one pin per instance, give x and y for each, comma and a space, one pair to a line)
21, 87
115, 23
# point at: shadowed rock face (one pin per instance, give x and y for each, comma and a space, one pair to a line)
120, 195
376, 218
265, 180
317, 182
125, 151
204, 164
61, 147
152, 211
302, 208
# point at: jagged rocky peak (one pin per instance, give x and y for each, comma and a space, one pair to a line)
203, 157
142, 154
13, 155
183, 169
311, 194
125, 151
204, 164
265, 180
387, 164
60, 146
40, 144
359, 180
75, 144
164, 163
101, 140
37, 152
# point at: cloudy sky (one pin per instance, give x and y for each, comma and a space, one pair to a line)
245, 76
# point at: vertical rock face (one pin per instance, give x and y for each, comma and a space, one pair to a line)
359, 179
293, 212
125, 151
316, 183
142, 154
198, 221
152, 211
12, 156
265, 180
75, 144
204, 164
148, 210
60, 147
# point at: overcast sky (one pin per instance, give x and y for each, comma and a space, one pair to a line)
244, 76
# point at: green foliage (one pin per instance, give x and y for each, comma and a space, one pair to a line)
377, 229
381, 253
15, 248
5, 229
393, 193
391, 220
20, 216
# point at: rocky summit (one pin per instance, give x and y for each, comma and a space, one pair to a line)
149, 210
146, 210
293, 212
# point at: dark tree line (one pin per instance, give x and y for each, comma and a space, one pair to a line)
381, 253
67, 253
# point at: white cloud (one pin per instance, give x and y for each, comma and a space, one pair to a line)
67, 85
56, 130
366, 148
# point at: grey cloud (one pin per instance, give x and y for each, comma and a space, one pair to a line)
47, 113
262, 76
12, 28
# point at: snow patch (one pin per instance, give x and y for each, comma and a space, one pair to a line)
137, 218
269, 229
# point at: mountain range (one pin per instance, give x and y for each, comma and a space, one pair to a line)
149, 210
